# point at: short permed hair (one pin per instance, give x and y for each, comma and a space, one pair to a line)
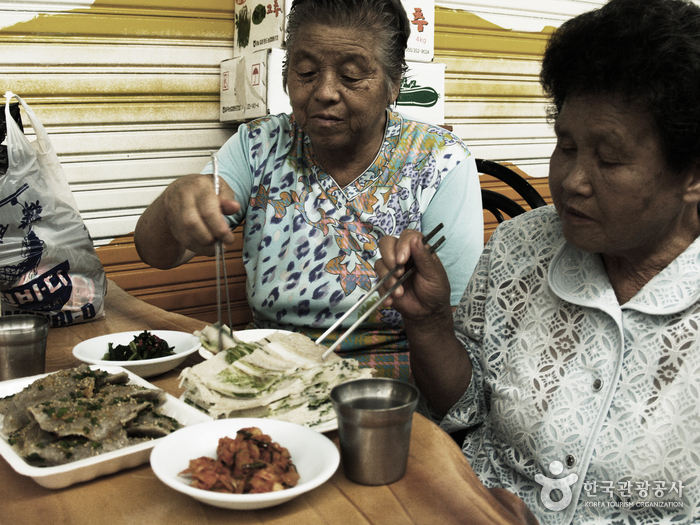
384, 18
647, 52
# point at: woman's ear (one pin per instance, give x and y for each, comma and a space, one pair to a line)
692, 186
394, 95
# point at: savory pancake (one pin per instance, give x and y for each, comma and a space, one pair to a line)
282, 376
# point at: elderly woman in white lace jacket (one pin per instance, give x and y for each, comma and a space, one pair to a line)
574, 357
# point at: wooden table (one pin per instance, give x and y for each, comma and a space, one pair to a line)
439, 487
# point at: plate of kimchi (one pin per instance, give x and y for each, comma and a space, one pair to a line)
244, 463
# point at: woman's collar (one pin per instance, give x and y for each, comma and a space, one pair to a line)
580, 278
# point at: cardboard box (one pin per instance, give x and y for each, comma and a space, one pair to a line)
421, 44
259, 25
251, 86
422, 95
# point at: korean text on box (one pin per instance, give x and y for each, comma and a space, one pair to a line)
421, 44
259, 25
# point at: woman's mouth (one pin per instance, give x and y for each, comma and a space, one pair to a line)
571, 214
326, 118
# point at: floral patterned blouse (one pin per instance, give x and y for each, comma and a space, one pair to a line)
310, 245
589, 411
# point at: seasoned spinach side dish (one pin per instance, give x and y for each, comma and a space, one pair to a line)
144, 346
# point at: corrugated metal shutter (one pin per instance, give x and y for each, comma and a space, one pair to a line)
531, 16
128, 91
493, 99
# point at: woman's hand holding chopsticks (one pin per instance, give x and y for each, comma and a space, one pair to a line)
186, 219
439, 364
427, 291
406, 270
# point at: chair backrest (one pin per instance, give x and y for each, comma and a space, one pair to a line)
497, 203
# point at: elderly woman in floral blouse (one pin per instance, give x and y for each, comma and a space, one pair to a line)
317, 188
574, 356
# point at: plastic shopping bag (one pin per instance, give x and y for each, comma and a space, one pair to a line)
48, 264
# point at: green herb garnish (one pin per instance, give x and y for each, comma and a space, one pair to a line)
144, 346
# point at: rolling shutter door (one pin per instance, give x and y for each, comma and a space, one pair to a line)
493, 99
128, 91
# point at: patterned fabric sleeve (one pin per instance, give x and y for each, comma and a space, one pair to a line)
472, 408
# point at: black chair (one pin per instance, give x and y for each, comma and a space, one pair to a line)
497, 203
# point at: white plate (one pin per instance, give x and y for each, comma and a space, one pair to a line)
314, 455
247, 336
93, 350
86, 469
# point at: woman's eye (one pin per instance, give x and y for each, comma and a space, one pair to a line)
609, 157
306, 76
303, 70
566, 147
609, 162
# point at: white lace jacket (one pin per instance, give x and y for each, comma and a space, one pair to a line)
599, 402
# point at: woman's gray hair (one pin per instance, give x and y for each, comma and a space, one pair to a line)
385, 18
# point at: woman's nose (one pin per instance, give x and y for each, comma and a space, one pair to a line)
576, 180
327, 87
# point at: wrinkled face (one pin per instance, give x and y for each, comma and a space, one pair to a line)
609, 181
337, 89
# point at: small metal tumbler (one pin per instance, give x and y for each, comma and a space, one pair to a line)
22, 345
374, 428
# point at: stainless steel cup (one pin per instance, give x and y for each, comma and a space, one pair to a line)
374, 428
22, 345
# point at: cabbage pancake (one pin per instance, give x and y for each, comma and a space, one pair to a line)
79, 413
282, 377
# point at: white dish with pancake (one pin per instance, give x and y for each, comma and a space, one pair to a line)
270, 374
90, 468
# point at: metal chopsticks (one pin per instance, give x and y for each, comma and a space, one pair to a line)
220, 263
374, 288
409, 267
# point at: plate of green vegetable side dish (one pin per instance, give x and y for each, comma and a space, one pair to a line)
145, 353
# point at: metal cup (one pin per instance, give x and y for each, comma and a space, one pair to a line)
374, 428
22, 345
